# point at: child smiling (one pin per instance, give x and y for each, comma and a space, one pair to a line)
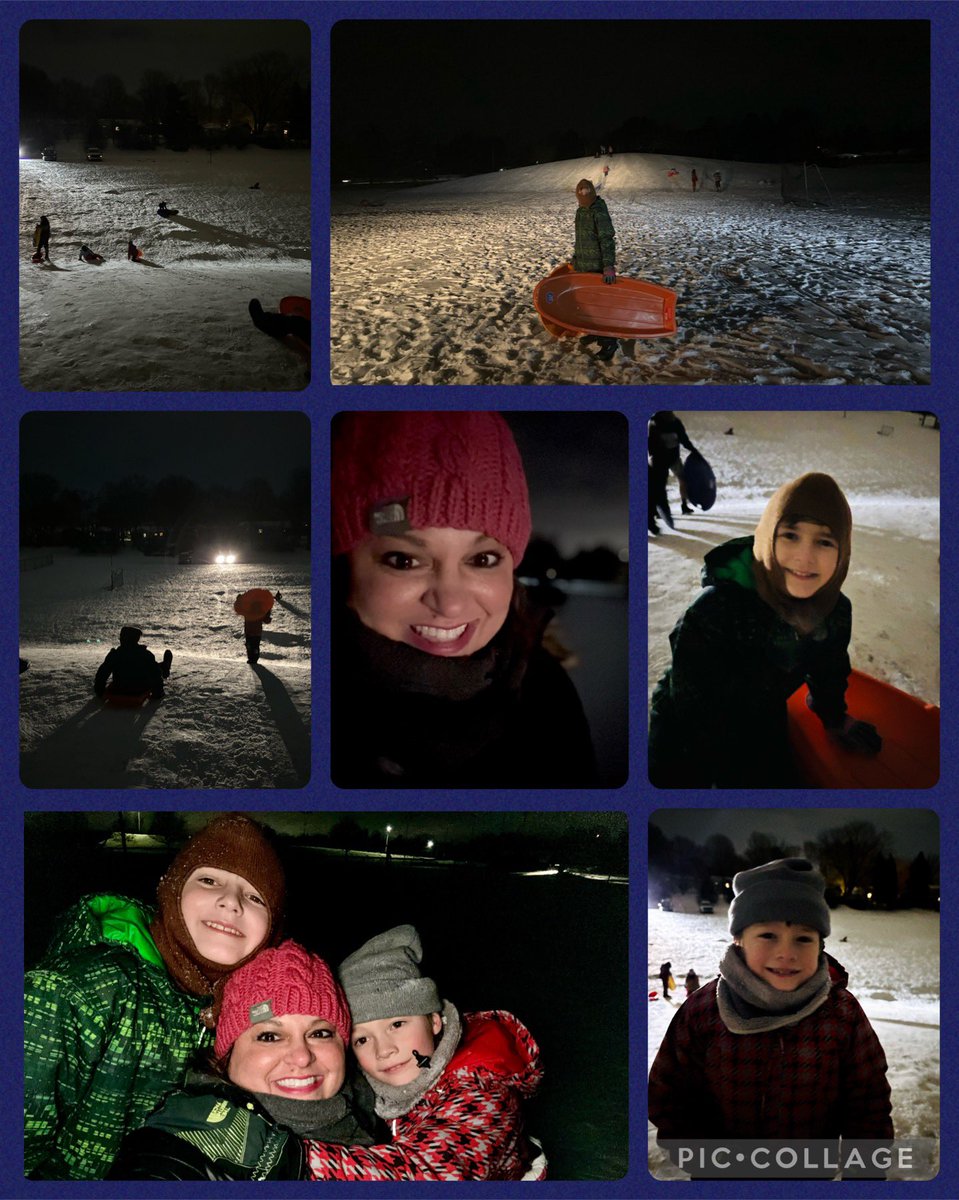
771, 617
776, 1047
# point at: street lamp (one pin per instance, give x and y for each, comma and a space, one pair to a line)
389, 830
430, 844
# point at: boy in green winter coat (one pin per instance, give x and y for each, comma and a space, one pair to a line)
123, 997
595, 246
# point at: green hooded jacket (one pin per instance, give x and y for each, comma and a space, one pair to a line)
595, 244
106, 1034
718, 715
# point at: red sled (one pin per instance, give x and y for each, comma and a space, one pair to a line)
909, 729
577, 303
295, 306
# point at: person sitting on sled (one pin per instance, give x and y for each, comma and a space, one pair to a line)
280, 325
133, 667
134, 253
771, 617
595, 246
164, 211
90, 256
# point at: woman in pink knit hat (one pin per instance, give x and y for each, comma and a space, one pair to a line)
439, 673
277, 1075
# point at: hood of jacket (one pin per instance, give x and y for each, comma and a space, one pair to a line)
730, 562
105, 917
497, 1045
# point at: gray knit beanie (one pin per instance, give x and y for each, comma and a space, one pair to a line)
788, 889
382, 979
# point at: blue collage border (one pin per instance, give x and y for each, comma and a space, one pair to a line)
320, 401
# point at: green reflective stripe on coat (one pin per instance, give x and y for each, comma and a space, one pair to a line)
106, 1036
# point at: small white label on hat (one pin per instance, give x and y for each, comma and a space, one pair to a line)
390, 517
261, 1012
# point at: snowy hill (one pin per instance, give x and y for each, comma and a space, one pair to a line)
177, 320
433, 284
223, 724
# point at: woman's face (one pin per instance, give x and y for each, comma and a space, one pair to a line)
445, 591
300, 1057
808, 555
225, 916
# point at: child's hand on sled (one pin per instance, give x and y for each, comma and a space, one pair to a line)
858, 736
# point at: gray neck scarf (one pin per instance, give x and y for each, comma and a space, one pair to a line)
395, 1101
326, 1120
748, 1004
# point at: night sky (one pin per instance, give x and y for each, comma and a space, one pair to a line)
526, 80
913, 830
85, 450
577, 470
85, 50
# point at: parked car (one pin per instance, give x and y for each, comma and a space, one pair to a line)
666, 905
49, 154
705, 906
94, 154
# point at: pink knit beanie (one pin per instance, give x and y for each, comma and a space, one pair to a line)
277, 983
397, 471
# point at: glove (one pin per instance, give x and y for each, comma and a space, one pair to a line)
858, 736
609, 274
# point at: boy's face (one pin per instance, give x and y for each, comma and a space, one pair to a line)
387, 1049
808, 555
224, 915
784, 955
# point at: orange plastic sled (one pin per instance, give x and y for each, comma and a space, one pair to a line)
909, 729
254, 603
572, 303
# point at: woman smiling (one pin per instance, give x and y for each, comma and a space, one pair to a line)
439, 674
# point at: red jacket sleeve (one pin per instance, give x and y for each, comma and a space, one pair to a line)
465, 1134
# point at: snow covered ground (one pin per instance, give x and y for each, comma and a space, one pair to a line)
178, 320
892, 483
893, 964
222, 723
434, 284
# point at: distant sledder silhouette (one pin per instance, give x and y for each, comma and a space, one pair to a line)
165, 211
290, 325
137, 676
90, 256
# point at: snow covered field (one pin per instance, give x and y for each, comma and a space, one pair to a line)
892, 483
222, 723
178, 320
893, 964
434, 284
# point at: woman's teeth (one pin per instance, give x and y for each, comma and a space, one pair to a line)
307, 1082
440, 635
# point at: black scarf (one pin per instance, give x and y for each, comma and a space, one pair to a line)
421, 715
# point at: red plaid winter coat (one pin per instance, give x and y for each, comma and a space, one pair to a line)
822, 1078
469, 1125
